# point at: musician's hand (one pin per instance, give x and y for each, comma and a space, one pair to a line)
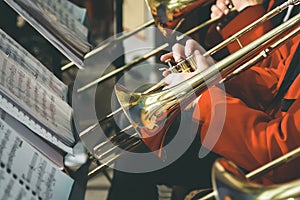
191, 47
172, 79
239, 5
175, 55
219, 9
180, 52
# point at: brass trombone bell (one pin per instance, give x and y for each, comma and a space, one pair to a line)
229, 182
169, 14
264, 169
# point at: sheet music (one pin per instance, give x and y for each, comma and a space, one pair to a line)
24, 97
58, 12
25, 173
30, 64
63, 38
51, 152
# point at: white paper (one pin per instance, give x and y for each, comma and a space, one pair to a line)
31, 65
77, 12
27, 174
50, 151
52, 28
60, 11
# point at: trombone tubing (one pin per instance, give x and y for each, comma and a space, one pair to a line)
119, 145
110, 43
263, 54
227, 64
210, 72
106, 164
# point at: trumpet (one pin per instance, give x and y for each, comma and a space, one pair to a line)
147, 111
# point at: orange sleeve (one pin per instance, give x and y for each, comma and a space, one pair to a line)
250, 137
259, 97
266, 76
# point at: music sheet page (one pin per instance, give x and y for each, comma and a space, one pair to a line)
21, 92
51, 152
54, 27
27, 174
59, 10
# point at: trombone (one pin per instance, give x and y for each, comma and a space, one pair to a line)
167, 104
230, 178
212, 51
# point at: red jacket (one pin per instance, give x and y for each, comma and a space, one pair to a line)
255, 132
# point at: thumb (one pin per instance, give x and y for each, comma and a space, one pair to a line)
200, 61
168, 79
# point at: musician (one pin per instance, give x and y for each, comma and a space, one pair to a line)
264, 128
189, 170
264, 104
